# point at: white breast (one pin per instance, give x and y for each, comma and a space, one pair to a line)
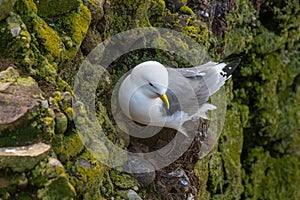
138, 107
145, 110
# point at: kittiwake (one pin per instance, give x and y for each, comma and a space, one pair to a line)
155, 95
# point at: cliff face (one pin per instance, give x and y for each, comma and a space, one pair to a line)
43, 44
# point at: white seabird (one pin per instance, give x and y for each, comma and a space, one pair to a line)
168, 97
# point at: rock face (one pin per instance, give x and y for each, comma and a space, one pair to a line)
44, 42
19, 96
20, 101
5, 7
24, 158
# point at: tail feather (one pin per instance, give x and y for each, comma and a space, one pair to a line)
230, 67
219, 75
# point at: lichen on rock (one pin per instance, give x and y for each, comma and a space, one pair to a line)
19, 108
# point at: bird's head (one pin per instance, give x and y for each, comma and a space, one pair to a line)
153, 77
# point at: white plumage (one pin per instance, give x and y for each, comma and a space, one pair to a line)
158, 96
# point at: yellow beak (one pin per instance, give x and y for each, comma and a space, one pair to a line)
165, 99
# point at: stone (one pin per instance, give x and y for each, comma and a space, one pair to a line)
132, 195
58, 188
23, 158
19, 106
18, 96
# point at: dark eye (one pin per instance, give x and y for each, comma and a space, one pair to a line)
151, 84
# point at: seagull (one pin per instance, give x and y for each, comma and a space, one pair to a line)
155, 95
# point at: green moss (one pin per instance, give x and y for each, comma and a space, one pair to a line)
123, 181
50, 41
24, 196
156, 13
267, 173
50, 8
271, 165
59, 188
5, 8
200, 33
66, 101
127, 15
186, 10
87, 176
237, 40
34, 59
75, 24
10, 182
61, 123
80, 22
17, 45
69, 113
72, 145
57, 143
268, 88
49, 44
50, 122
268, 41
202, 171
25, 4
255, 165
116, 185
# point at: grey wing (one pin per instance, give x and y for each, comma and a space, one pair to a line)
206, 79
185, 93
189, 88
196, 71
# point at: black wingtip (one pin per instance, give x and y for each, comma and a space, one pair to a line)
231, 66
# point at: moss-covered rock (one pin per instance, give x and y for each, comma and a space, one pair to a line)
86, 174
39, 45
19, 108
72, 27
15, 38
5, 7
50, 8
175, 5
121, 17
96, 9
58, 188
186, 10
10, 182
50, 179
72, 146
23, 158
